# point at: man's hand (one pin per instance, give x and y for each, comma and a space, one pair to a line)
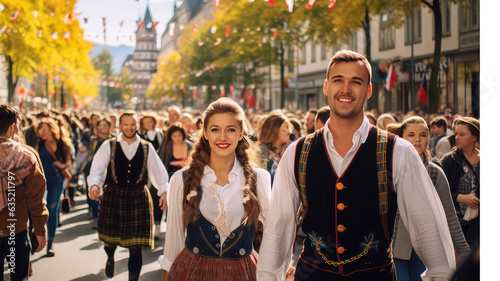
94, 192
42, 240
163, 201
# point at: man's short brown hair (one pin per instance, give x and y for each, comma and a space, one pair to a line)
349, 56
8, 116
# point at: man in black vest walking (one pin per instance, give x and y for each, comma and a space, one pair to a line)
349, 179
123, 165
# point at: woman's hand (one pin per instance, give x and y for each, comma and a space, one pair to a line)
60, 165
469, 199
164, 276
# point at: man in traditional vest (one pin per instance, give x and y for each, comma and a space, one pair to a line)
350, 181
122, 166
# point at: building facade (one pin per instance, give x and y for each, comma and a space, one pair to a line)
145, 56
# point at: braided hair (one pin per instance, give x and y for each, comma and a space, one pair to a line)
200, 157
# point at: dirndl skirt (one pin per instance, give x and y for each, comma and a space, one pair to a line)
188, 266
126, 217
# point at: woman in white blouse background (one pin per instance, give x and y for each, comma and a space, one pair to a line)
216, 202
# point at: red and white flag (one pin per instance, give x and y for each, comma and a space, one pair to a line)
331, 5
195, 27
272, 2
310, 4
391, 78
216, 3
13, 17
289, 5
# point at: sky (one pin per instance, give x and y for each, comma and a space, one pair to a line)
118, 11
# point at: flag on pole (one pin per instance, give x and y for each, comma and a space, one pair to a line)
222, 91
331, 5
231, 89
391, 78
310, 4
251, 101
195, 27
216, 3
245, 95
196, 94
13, 17
289, 5
272, 2
228, 30
422, 92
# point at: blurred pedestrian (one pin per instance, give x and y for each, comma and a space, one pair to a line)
309, 121
119, 173
408, 265
461, 167
22, 186
274, 136
215, 203
54, 149
174, 151
321, 117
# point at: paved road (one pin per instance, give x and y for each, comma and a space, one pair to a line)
80, 254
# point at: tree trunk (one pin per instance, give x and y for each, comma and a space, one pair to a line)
11, 82
433, 90
282, 75
373, 101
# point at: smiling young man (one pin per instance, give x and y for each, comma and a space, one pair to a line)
346, 213
122, 165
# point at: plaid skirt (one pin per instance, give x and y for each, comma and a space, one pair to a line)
126, 217
188, 266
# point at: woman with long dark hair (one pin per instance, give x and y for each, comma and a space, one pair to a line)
174, 150
215, 203
54, 149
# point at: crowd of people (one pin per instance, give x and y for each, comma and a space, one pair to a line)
366, 192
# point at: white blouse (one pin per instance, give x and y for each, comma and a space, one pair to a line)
220, 205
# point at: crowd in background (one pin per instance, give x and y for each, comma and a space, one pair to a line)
66, 142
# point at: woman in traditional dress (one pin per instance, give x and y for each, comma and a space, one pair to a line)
215, 203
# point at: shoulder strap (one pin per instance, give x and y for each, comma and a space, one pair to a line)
112, 143
300, 165
382, 178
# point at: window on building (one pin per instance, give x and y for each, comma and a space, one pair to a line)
417, 27
446, 17
470, 15
387, 31
323, 52
313, 51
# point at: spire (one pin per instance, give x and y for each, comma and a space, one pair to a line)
148, 17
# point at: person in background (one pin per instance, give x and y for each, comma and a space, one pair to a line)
344, 204
371, 117
438, 131
149, 132
461, 166
321, 117
274, 136
220, 195
174, 151
385, 119
119, 173
446, 144
296, 127
408, 265
54, 149
103, 133
22, 186
174, 114
187, 121
309, 121
254, 130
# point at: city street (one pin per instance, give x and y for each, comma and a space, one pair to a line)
80, 255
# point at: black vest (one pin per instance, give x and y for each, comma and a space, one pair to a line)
154, 142
343, 225
127, 173
203, 239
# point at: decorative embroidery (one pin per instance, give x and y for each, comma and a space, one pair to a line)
246, 199
369, 242
144, 164
317, 243
113, 154
112, 160
316, 240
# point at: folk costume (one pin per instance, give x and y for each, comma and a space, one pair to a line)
346, 236
125, 210
219, 245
